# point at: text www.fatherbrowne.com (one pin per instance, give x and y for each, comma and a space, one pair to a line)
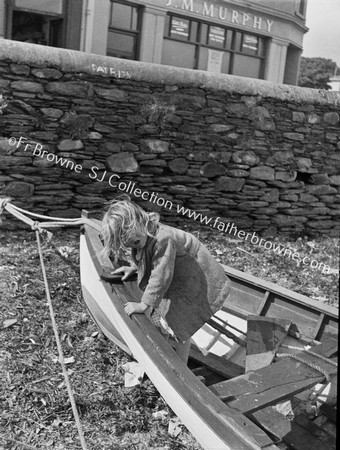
153, 197
231, 228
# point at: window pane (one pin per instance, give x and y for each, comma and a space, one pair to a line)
167, 26
179, 28
216, 37
204, 33
246, 66
193, 31
121, 45
229, 39
178, 54
123, 16
250, 44
237, 41
49, 6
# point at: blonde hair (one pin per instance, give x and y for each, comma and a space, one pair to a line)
122, 221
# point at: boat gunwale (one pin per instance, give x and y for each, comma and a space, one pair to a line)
309, 303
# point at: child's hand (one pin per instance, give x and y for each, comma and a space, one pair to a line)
127, 270
133, 307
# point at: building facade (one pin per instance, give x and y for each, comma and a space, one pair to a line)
257, 39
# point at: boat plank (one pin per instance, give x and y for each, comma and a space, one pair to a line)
299, 433
269, 385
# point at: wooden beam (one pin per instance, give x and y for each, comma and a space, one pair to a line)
299, 433
269, 385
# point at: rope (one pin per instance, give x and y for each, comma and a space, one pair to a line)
307, 363
60, 350
304, 349
22, 214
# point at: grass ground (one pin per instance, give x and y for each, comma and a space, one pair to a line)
35, 410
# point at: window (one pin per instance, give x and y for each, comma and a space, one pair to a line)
210, 47
123, 35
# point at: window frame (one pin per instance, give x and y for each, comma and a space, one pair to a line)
135, 33
203, 41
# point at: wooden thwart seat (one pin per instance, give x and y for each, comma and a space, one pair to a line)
269, 385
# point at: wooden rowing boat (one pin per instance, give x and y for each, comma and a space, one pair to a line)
247, 361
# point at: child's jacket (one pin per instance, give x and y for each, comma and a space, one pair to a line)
175, 265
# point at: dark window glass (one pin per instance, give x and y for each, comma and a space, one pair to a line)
229, 39
193, 31
124, 16
237, 41
123, 33
204, 33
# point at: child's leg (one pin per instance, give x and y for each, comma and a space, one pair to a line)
183, 349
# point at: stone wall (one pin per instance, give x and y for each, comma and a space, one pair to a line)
76, 129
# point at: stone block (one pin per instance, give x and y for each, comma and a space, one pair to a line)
334, 180
262, 119
229, 184
320, 178
271, 196
294, 136
212, 169
288, 176
262, 173
67, 88
154, 146
178, 165
18, 189
115, 95
283, 157
321, 189
332, 118
54, 113
48, 74
20, 69
122, 163
220, 128
282, 220
298, 116
251, 205
247, 157
27, 86
304, 164
313, 118
238, 173
111, 147
69, 144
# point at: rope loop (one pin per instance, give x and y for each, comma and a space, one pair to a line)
307, 363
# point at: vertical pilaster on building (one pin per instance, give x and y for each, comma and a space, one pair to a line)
151, 44
276, 61
2, 18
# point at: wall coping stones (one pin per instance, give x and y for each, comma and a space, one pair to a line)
75, 61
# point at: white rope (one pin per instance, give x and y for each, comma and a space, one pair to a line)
40, 216
307, 363
60, 350
20, 214
305, 349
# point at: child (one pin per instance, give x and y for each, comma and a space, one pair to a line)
178, 275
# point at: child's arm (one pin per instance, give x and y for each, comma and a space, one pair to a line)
163, 263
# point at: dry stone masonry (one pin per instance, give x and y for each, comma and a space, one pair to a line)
263, 156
